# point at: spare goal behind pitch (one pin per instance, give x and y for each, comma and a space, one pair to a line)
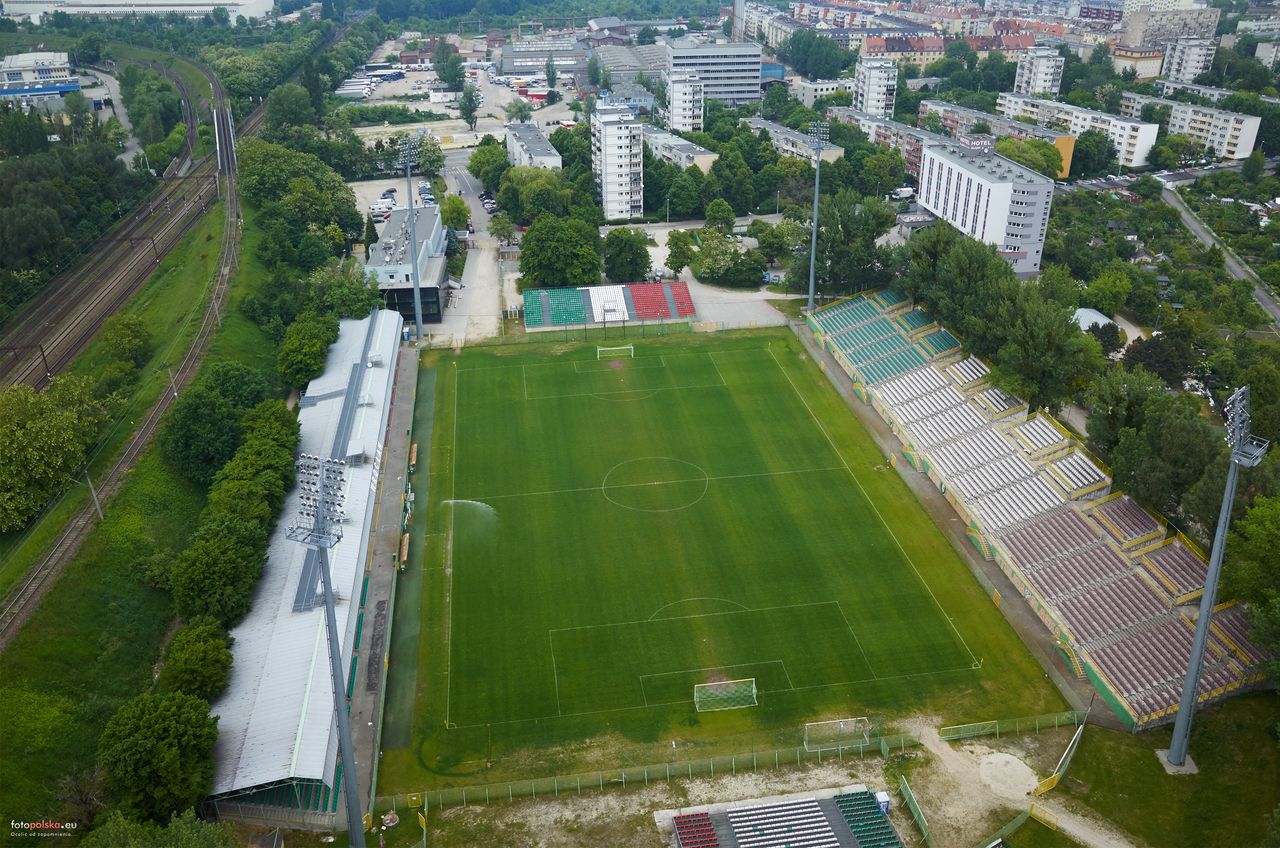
725, 695
836, 734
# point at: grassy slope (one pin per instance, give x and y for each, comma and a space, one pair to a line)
1228, 803
93, 641
752, 435
171, 303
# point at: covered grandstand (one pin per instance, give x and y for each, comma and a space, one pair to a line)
1103, 574
603, 305
275, 760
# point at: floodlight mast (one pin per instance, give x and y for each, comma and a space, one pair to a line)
408, 154
318, 525
819, 132
1247, 450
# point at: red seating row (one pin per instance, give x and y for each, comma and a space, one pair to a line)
1048, 537
684, 303
1082, 568
1102, 610
650, 300
1180, 564
1149, 666
1234, 622
695, 830
1130, 519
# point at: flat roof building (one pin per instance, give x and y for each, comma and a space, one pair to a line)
617, 157
730, 72
990, 198
32, 77
808, 91
788, 142
526, 145
686, 102
875, 86
907, 140
1132, 139
388, 260
1188, 57
670, 147
958, 120
1229, 134
276, 728
1039, 72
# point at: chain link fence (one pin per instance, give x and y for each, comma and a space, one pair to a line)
1005, 726
621, 778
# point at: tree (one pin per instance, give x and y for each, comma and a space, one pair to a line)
1253, 166
559, 252
518, 110
1253, 570
197, 661
1161, 460
593, 70
1094, 154
501, 227
370, 232
185, 830
157, 753
770, 242
288, 106
126, 337
430, 156
685, 195
680, 251
455, 212
1116, 400
647, 35
1108, 291
488, 163
626, 255
550, 70
44, 435
89, 48
451, 72
1036, 154
1045, 356
1108, 336
304, 348
719, 215
469, 106
201, 432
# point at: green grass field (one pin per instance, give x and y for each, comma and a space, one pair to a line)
605, 535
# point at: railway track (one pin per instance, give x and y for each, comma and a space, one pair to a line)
23, 600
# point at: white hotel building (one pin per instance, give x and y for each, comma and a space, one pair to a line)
617, 152
990, 198
1131, 138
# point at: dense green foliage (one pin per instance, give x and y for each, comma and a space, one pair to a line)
183, 831
304, 347
152, 102
814, 55
198, 660
560, 252
626, 255
1231, 206
157, 754
202, 428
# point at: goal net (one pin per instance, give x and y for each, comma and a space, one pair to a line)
836, 734
615, 352
724, 695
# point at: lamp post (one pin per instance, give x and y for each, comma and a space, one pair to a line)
1247, 450
819, 132
318, 525
408, 153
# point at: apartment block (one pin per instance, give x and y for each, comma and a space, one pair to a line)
1267, 53
1132, 139
875, 86
730, 72
685, 102
788, 142
807, 92
1230, 134
908, 140
526, 145
670, 147
959, 120
1187, 58
990, 198
1148, 27
1145, 62
617, 153
1039, 72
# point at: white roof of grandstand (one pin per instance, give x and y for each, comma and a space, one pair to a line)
1087, 318
275, 721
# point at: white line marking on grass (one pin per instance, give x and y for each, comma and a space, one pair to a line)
684, 617
715, 668
555, 675
705, 598
653, 391
857, 641
711, 355
580, 489
524, 374
872, 504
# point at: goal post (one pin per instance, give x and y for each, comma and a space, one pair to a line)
837, 734
617, 352
724, 695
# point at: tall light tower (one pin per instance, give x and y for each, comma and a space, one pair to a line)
819, 132
408, 156
1246, 451
318, 525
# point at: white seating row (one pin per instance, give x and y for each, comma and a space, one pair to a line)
1017, 502
608, 303
968, 371
972, 451
988, 477
1040, 434
1078, 471
926, 405
947, 425
910, 384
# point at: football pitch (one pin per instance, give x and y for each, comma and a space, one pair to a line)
607, 534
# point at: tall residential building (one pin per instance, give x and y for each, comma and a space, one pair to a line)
1152, 28
909, 141
730, 72
1230, 134
617, 152
684, 101
1133, 7
875, 86
1039, 72
991, 198
960, 120
526, 145
1187, 58
1132, 139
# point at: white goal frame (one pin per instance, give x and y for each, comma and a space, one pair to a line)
703, 692
837, 734
602, 350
